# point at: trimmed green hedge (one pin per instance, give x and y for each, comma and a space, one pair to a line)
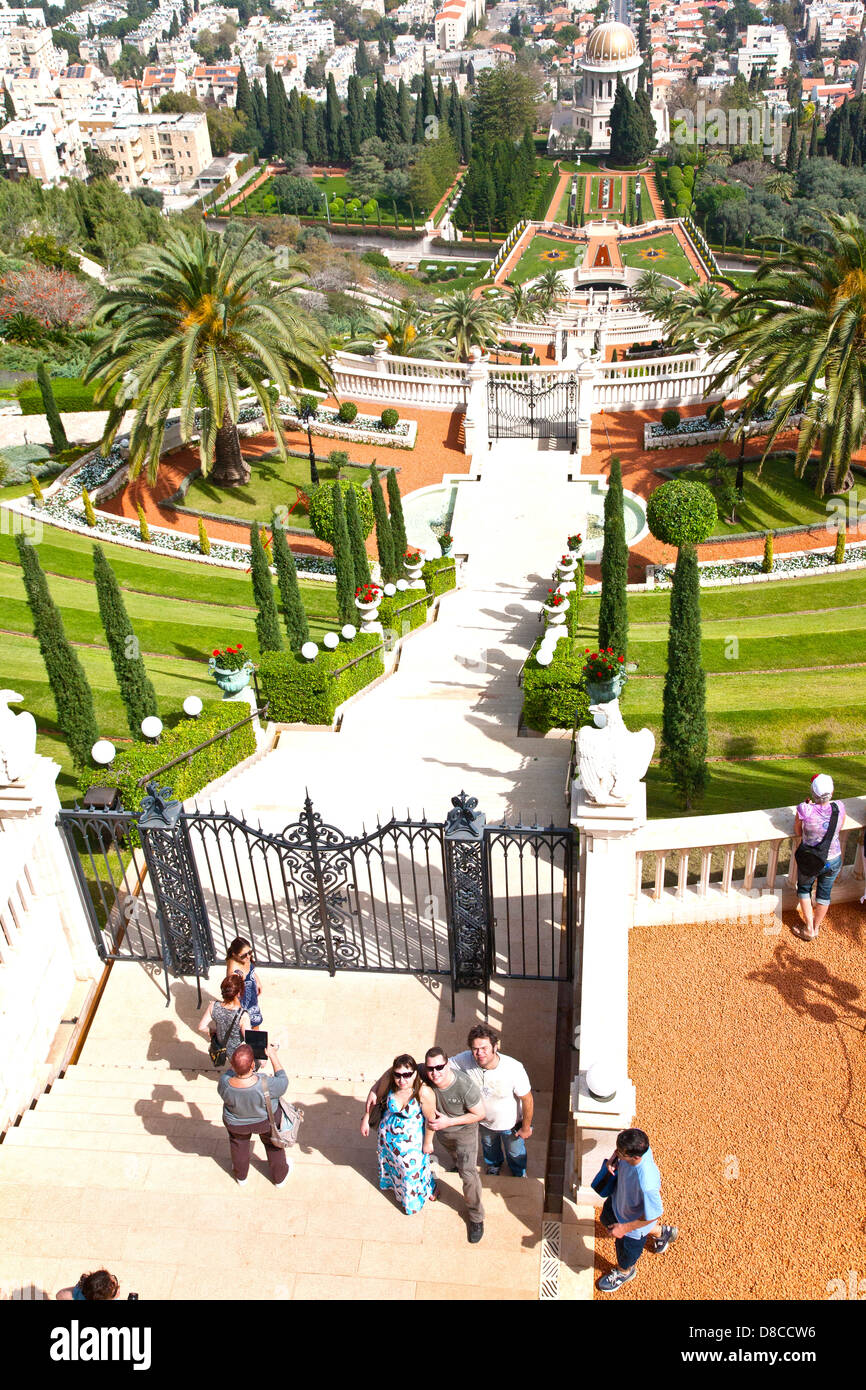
554, 696
439, 576
407, 607
70, 393
133, 761
306, 692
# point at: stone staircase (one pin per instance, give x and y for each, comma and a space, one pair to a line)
127, 1167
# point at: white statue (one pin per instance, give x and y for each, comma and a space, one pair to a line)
17, 740
611, 760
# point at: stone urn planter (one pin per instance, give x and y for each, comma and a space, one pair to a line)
413, 564
555, 613
367, 603
603, 692
231, 682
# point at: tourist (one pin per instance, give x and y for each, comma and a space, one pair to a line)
245, 1112
98, 1287
633, 1208
818, 854
405, 1143
506, 1096
459, 1111
240, 961
229, 1020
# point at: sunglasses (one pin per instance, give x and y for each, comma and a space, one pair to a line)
404, 1074
440, 1067
245, 955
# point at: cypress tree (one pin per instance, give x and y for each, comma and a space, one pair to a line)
136, 691
356, 540
418, 128
398, 524
267, 622
59, 442
384, 539
143, 528
244, 99
344, 560
613, 610
813, 140
684, 715
72, 695
89, 513
203, 538
294, 613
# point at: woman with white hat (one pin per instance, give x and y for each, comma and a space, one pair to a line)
818, 853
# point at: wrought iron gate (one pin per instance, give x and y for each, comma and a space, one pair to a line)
537, 406
456, 898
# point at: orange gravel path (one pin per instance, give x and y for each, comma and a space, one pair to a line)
562, 185
752, 1089
513, 257
655, 199
692, 259
438, 450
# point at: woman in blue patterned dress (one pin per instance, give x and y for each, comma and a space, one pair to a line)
240, 961
405, 1142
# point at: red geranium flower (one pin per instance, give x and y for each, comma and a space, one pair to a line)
216, 651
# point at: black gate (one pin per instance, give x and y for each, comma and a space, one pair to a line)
455, 898
532, 406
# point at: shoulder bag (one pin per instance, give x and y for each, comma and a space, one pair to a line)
287, 1134
604, 1182
216, 1049
812, 858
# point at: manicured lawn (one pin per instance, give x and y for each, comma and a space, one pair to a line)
774, 499
536, 258
758, 703
270, 486
587, 161
665, 255
180, 612
595, 191
469, 274
562, 205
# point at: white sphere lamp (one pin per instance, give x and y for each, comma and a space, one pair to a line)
331, 640
151, 727
309, 650
402, 585
601, 1081
192, 706
389, 590
348, 631
544, 656
102, 752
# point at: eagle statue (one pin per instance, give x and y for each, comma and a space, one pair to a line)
611, 760
17, 740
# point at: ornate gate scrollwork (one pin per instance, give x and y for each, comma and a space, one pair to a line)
539, 406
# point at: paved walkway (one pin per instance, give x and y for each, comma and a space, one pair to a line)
82, 427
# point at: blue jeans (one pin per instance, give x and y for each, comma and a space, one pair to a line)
628, 1248
826, 878
493, 1141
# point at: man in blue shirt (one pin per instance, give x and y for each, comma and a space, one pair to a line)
633, 1210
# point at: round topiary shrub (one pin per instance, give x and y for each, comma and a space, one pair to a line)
389, 418
716, 413
322, 509
682, 513
307, 405
670, 419
347, 412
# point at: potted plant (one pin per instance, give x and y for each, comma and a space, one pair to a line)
575, 542
230, 669
567, 565
555, 608
446, 540
367, 600
413, 562
605, 675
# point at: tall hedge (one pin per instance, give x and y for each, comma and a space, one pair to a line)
73, 698
307, 692
59, 442
684, 715
398, 522
136, 691
294, 613
343, 560
613, 608
554, 696
360, 563
267, 622
384, 538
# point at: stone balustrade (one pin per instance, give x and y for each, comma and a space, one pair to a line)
706, 868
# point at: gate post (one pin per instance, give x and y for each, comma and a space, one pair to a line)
476, 436
467, 908
187, 944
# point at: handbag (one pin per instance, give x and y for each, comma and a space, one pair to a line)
286, 1135
604, 1181
812, 858
217, 1050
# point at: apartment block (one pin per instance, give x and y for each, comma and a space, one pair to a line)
42, 148
157, 149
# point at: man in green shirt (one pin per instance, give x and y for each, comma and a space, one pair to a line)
459, 1110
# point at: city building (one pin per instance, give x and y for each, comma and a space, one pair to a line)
217, 83
611, 54
42, 148
158, 149
455, 19
767, 49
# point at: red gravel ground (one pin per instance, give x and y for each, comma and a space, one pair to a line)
747, 1051
438, 450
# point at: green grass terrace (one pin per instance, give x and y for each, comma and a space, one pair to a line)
544, 252
662, 253
272, 484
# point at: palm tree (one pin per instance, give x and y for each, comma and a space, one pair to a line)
548, 285
467, 322
719, 156
781, 184
185, 326
522, 306
798, 333
407, 334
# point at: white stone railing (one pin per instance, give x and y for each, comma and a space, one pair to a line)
706, 868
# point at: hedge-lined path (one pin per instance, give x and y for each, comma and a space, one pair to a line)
438, 450
563, 184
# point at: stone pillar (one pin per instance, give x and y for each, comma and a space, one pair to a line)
476, 429
607, 888
586, 373
380, 357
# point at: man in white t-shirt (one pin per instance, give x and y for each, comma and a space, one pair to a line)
507, 1100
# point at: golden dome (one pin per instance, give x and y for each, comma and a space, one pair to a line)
610, 43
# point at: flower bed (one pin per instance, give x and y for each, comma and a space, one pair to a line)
696, 429
364, 429
793, 565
